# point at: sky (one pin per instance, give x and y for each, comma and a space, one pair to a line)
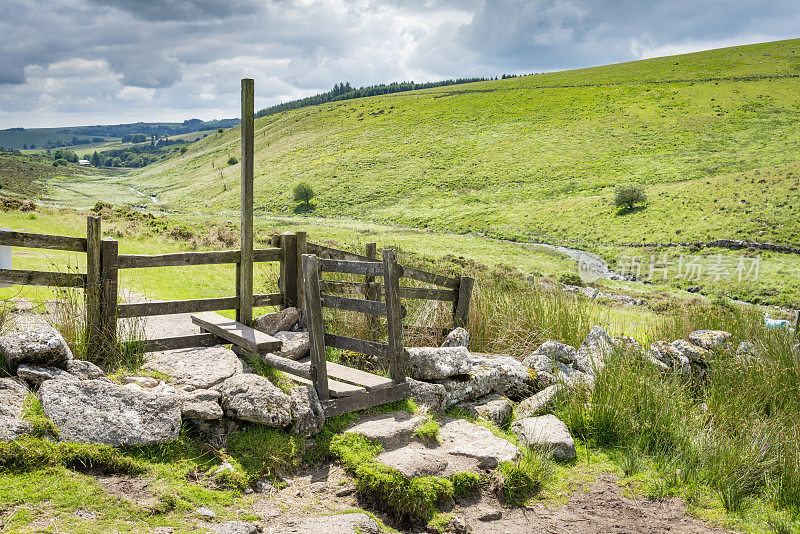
82, 62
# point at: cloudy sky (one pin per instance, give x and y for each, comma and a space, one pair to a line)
76, 62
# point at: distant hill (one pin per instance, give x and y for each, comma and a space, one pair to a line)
74, 136
713, 135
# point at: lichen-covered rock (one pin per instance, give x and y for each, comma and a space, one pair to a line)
202, 367
84, 370
34, 376
558, 352
412, 462
627, 344
516, 380
495, 408
537, 404
542, 363
482, 380
359, 523
746, 351
40, 346
709, 339
201, 404
547, 433
671, 357
307, 413
691, 351
431, 396
459, 337
594, 350
234, 527
279, 321
147, 382
391, 430
296, 345
461, 439
434, 363
215, 432
254, 398
95, 411
13, 393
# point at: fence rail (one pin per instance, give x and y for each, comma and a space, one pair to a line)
103, 263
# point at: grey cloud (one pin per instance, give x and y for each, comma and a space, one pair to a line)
183, 10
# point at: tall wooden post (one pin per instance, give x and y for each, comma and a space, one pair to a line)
797, 325
461, 311
244, 313
110, 283
93, 292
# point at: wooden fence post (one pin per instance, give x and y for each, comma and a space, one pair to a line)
110, 280
373, 292
316, 326
301, 248
797, 326
244, 314
93, 294
461, 308
394, 315
289, 269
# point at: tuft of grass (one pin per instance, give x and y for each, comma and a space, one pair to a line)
466, 483
34, 414
31, 453
518, 481
264, 452
429, 430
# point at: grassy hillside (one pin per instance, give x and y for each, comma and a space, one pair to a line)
538, 155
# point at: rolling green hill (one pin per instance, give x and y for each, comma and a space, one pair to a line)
714, 135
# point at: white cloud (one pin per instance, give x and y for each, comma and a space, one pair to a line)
135, 60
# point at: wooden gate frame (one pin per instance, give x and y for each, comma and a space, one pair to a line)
396, 389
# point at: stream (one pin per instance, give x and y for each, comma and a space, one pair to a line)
153, 198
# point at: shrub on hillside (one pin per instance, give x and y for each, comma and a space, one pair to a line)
628, 195
303, 193
571, 279
232, 160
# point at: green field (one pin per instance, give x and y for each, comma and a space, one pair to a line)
713, 135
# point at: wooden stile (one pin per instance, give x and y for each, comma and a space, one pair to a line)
289, 271
301, 247
43, 278
370, 307
357, 345
351, 267
365, 400
237, 333
179, 259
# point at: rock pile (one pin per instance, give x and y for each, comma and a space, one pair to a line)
210, 386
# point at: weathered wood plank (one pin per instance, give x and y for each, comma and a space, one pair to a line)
13, 238
336, 254
371, 307
430, 278
372, 289
236, 332
93, 294
357, 345
368, 381
335, 388
267, 299
376, 289
43, 278
146, 309
362, 268
178, 259
366, 400
244, 313
395, 314
461, 308
179, 342
353, 288
316, 326
267, 254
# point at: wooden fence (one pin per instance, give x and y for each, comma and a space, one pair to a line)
103, 263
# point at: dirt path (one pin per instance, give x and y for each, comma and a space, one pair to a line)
603, 508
